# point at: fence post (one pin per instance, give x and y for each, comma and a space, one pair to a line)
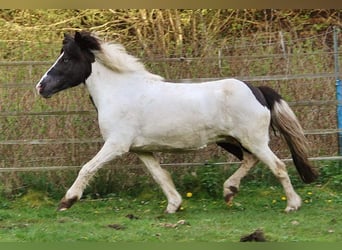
338, 90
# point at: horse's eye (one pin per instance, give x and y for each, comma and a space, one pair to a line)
65, 60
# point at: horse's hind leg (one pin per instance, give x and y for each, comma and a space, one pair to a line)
163, 178
278, 168
231, 185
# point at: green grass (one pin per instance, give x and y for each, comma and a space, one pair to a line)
27, 219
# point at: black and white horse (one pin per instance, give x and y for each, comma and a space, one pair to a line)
140, 112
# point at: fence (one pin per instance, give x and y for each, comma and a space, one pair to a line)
61, 134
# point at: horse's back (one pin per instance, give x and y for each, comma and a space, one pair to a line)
190, 116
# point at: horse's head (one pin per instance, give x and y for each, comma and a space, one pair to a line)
72, 67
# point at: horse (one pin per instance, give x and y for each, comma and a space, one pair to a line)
140, 112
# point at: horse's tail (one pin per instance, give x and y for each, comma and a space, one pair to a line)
283, 118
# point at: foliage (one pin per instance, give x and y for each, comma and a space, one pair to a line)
331, 174
35, 199
211, 180
159, 33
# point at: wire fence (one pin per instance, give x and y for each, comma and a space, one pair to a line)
46, 130
331, 104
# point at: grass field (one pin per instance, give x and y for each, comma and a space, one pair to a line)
33, 218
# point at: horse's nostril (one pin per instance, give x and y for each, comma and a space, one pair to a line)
39, 88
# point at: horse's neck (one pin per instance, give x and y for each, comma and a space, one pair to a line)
101, 82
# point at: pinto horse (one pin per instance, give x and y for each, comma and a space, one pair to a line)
140, 112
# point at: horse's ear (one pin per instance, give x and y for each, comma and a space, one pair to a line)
86, 41
78, 37
67, 38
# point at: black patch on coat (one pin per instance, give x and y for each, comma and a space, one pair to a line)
236, 150
234, 147
270, 95
258, 94
265, 95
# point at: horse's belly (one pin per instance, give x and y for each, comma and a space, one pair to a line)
163, 148
176, 143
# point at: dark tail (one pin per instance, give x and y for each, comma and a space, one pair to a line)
286, 122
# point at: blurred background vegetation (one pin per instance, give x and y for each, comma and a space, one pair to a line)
159, 33
177, 44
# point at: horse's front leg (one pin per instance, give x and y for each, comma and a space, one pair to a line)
163, 178
107, 153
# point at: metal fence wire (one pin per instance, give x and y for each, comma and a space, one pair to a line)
62, 133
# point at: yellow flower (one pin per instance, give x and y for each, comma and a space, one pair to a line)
309, 193
306, 201
274, 201
283, 198
188, 194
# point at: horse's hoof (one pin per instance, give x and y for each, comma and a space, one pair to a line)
169, 211
173, 208
230, 195
229, 199
65, 204
291, 209
294, 204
